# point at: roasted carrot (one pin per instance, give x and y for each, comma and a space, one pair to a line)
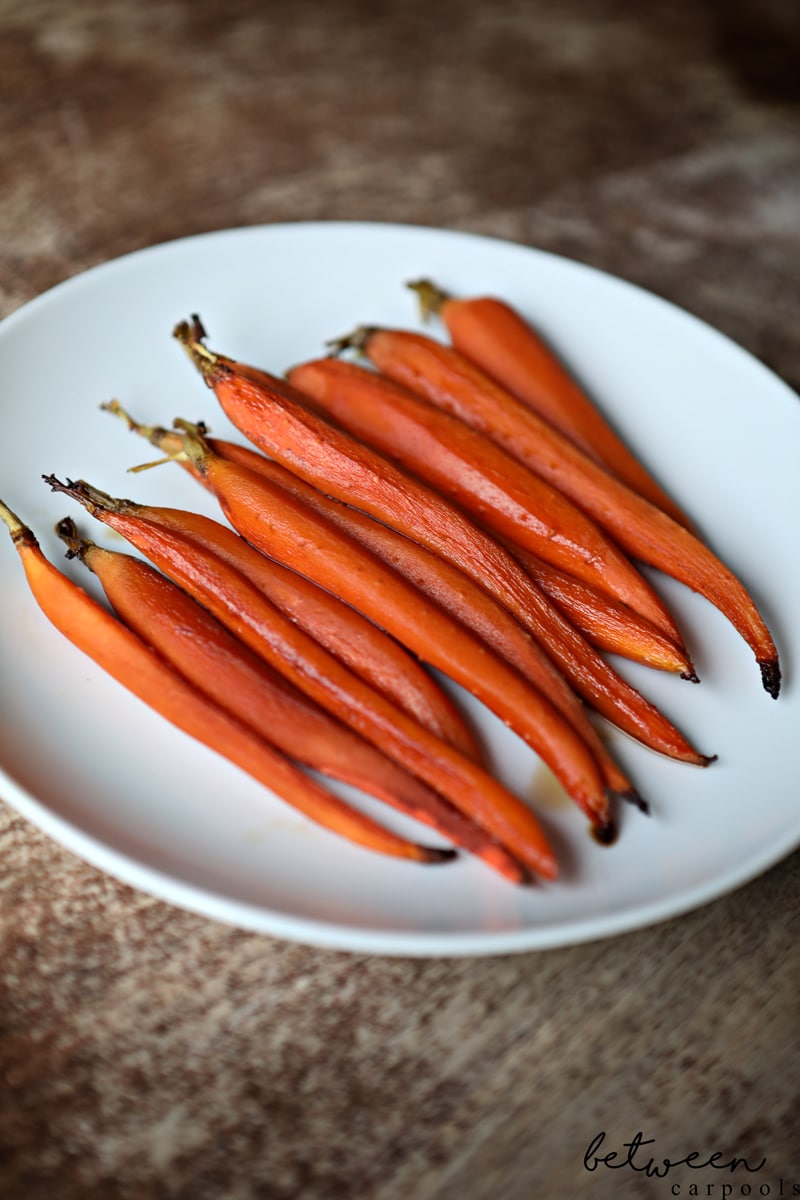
466, 601
452, 382
284, 527
459, 594
129, 660
495, 336
441, 582
270, 413
608, 624
359, 643
235, 601
215, 662
475, 473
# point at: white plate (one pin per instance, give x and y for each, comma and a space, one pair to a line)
117, 785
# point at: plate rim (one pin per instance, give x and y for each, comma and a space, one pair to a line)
335, 935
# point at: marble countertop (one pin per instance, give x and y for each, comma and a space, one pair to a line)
148, 1052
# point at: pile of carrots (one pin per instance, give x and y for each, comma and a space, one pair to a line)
462, 506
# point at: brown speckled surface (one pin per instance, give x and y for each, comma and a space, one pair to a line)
146, 1052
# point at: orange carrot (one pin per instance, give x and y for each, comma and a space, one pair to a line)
137, 667
246, 612
270, 413
452, 382
608, 624
345, 632
475, 473
441, 582
496, 338
215, 662
279, 524
552, 638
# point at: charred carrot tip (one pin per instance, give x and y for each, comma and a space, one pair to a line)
434, 855
67, 530
692, 676
431, 298
605, 833
357, 340
771, 677
90, 497
631, 796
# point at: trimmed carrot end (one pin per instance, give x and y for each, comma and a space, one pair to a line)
431, 298
191, 334
357, 340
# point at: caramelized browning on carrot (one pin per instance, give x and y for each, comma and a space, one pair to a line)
247, 613
441, 582
271, 414
608, 625
129, 660
447, 379
588, 673
496, 338
476, 474
205, 653
359, 643
277, 522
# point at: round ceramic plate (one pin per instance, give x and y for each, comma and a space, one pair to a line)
116, 784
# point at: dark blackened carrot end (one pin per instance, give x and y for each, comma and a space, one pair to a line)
90, 497
67, 530
433, 855
631, 796
692, 676
605, 833
357, 340
771, 676
431, 298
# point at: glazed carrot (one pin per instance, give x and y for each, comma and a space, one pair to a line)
496, 338
275, 521
609, 625
345, 632
138, 668
230, 597
270, 413
476, 474
469, 603
441, 582
215, 662
447, 379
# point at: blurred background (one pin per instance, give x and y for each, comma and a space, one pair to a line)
146, 1052
659, 142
